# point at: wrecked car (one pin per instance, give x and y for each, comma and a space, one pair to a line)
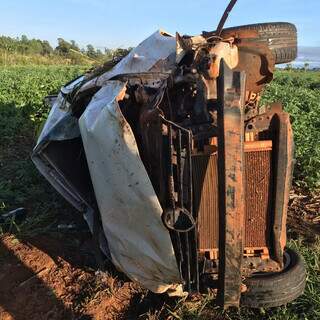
181, 173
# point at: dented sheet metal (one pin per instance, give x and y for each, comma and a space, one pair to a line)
139, 244
55, 115
226, 51
59, 114
156, 53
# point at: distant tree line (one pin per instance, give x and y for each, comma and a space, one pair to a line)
64, 49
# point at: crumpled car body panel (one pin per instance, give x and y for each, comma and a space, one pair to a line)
137, 241
156, 53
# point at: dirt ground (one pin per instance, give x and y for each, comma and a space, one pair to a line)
51, 278
55, 276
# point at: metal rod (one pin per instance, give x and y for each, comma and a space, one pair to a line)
179, 172
180, 258
190, 172
170, 180
171, 192
195, 239
180, 190
187, 251
225, 17
187, 242
193, 234
174, 124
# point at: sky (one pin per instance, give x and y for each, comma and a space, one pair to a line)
124, 23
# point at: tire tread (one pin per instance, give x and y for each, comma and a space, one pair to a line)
278, 288
280, 36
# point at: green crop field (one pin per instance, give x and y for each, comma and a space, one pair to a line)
300, 94
22, 111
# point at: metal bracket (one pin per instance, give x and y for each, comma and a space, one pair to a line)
231, 93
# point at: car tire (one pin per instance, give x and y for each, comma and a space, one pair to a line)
281, 38
265, 290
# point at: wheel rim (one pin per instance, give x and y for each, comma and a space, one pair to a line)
286, 264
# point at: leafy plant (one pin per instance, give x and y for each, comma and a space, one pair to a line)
22, 110
300, 95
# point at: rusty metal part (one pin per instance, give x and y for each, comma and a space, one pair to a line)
211, 87
255, 146
252, 105
225, 16
226, 51
180, 199
258, 252
257, 61
205, 176
258, 175
261, 122
256, 264
231, 92
283, 160
149, 131
257, 187
151, 153
239, 35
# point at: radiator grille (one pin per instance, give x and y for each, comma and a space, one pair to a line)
257, 184
205, 177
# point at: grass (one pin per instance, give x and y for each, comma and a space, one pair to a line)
21, 112
9, 59
299, 92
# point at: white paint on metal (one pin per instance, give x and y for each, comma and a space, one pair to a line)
152, 51
139, 244
55, 115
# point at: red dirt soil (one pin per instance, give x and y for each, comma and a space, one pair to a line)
43, 278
